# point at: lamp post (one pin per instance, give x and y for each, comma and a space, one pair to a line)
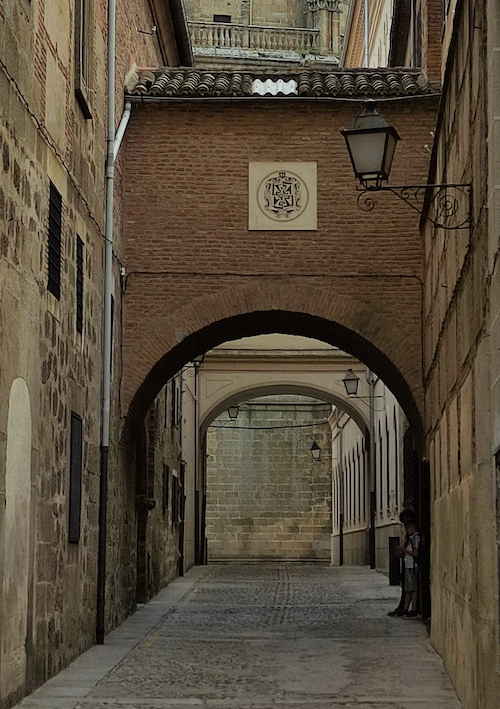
371, 143
351, 382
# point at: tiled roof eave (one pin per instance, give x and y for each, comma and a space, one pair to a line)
339, 85
143, 99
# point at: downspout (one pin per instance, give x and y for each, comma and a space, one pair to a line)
372, 473
341, 494
113, 145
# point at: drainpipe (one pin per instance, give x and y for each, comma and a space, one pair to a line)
341, 494
372, 472
113, 143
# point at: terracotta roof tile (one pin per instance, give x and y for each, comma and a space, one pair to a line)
351, 83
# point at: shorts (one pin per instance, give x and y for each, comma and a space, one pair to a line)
411, 580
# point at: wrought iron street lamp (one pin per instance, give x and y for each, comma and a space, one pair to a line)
371, 143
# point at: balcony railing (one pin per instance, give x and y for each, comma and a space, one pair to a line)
222, 35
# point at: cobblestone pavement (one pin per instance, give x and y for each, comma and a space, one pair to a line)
264, 636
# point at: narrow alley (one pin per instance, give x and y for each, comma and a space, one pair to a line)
264, 635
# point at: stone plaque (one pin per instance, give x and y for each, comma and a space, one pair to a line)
282, 196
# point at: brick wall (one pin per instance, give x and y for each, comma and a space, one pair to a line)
192, 262
266, 496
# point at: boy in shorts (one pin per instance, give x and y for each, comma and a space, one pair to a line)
411, 569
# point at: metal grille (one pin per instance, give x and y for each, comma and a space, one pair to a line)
79, 284
54, 246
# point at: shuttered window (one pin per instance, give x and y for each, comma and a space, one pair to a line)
79, 284
83, 54
75, 477
54, 246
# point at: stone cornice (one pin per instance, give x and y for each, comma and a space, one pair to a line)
316, 5
172, 31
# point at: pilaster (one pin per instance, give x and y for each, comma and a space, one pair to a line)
325, 16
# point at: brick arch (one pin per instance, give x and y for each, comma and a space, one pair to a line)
382, 339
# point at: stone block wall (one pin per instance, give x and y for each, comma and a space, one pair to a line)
48, 370
277, 13
460, 363
58, 366
266, 496
157, 481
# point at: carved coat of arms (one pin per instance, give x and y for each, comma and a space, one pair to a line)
283, 196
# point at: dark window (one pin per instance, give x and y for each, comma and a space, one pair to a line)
175, 500
417, 39
176, 404
380, 471
222, 18
54, 253
387, 465
396, 462
83, 54
79, 284
75, 478
363, 477
166, 486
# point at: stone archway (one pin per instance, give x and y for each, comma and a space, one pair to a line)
284, 388
385, 339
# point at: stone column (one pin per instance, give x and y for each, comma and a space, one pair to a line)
245, 12
325, 16
245, 19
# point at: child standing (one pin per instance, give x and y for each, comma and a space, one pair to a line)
411, 549
406, 514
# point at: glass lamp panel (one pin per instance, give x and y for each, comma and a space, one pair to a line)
367, 153
392, 138
351, 381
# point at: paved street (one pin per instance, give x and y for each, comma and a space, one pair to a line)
258, 636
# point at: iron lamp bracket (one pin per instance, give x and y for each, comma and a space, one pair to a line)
445, 206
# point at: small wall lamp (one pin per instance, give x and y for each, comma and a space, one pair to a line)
371, 143
315, 451
198, 361
351, 382
233, 412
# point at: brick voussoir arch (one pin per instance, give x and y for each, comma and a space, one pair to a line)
388, 342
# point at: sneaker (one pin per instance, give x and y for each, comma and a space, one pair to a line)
410, 615
397, 612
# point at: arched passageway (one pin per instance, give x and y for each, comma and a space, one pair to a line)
258, 323
267, 497
389, 349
